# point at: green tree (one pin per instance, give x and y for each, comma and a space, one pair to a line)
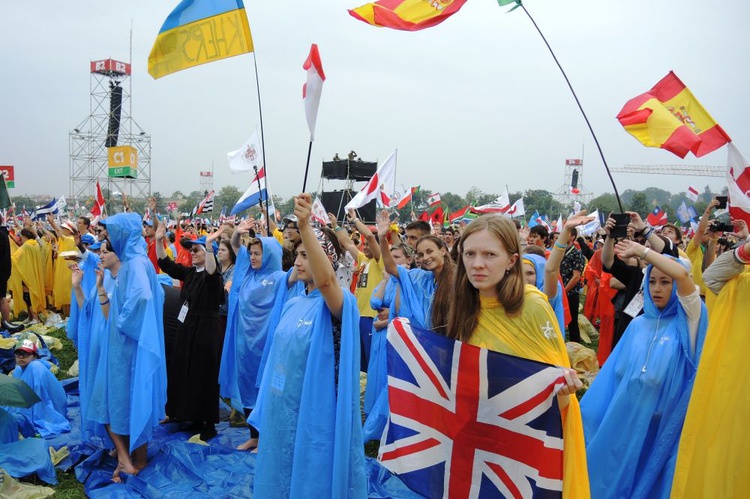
452, 202
640, 204
226, 197
477, 197
191, 201
605, 203
542, 201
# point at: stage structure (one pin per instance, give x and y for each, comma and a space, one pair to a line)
108, 145
207, 181
349, 170
573, 189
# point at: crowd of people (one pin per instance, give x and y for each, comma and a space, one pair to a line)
168, 318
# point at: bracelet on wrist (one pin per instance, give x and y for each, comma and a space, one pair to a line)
337, 228
560, 246
645, 252
104, 302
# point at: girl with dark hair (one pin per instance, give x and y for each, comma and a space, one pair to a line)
635, 409
492, 308
308, 406
425, 292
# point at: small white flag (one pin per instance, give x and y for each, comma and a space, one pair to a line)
312, 90
319, 213
381, 186
248, 157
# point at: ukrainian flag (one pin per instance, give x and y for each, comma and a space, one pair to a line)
197, 32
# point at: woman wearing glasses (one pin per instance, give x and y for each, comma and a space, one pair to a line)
193, 387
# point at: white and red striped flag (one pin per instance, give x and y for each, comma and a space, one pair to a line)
312, 90
380, 187
692, 194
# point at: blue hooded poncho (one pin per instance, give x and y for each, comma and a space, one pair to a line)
91, 329
48, 417
556, 303
88, 265
634, 411
417, 292
309, 421
136, 368
251, 301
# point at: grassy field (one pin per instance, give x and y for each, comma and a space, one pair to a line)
69, 487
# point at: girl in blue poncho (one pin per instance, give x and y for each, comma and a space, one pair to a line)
135, 382
256, 281
425, 292
48, 417
91, 328
308, 404
634, 411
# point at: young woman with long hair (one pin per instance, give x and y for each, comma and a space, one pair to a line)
492, 307
425, 291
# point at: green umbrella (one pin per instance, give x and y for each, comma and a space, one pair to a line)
16, 393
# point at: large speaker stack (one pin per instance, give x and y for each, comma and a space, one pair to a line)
115, 111
349, 170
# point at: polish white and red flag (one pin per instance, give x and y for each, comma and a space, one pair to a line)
738, 183
313, 88
692, 194
380, 187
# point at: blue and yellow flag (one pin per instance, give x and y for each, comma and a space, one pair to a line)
197, 32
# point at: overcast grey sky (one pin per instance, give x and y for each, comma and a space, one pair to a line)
475, 101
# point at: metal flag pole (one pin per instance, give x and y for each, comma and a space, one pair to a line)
262, 146
578, 102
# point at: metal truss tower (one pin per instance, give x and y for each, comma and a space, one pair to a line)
108, 129
683, 170
573, 189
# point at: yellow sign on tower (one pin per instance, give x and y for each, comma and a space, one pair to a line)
123, 162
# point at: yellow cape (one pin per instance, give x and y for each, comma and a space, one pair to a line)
534, 334
713, 458
27, 269
49, 267
63, 276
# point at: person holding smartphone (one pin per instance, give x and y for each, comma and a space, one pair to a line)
697, 247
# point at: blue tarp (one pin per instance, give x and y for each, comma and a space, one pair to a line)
177, 468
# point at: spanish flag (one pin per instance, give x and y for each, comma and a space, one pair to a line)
713, 458
197, 32
670, 117
407, 15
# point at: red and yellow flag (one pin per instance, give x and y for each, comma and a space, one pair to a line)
407, 15
670, 117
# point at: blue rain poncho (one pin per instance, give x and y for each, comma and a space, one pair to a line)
311, 443
48, 417
8, 427
136, 369
92, 331
377, 369
417, 293
251, 301
556, 303
635, 409
88, 265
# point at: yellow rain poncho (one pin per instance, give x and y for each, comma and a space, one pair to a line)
27, 269
713, 458
534, 334
63, 275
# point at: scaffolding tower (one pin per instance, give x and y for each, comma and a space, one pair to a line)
573, 189
106, 131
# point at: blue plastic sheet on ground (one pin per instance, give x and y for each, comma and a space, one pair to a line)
177, 468
26, 457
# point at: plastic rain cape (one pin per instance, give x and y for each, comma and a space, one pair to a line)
48, 417
557, 305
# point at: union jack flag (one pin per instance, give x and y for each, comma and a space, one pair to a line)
468, 422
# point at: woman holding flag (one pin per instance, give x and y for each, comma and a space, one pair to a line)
308, 406
493, 308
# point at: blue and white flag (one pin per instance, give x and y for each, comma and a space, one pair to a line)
683, 215
257, 192
43, 211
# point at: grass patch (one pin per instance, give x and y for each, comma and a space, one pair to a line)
69, 486
67, 356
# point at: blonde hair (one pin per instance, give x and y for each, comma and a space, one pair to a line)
465, 303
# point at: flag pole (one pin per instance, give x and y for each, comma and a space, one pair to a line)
260, 200
580, 107
307, 165
262, 144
